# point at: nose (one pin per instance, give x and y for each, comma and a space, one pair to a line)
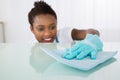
47, 32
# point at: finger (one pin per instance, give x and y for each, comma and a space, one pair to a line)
68, 51
83, 48
64, 55
83, 54
76, 46
93, 55
71, 55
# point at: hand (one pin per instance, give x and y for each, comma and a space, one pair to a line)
90, 46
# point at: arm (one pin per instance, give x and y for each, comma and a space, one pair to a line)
81, 34
90, 46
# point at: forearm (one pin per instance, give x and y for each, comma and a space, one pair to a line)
93, 31
81, 34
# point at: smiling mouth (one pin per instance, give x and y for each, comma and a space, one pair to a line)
48, 40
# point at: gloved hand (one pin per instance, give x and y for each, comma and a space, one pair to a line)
90, 46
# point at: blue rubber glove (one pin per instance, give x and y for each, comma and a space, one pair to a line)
90, 46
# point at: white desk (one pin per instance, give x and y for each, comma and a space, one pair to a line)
24, 62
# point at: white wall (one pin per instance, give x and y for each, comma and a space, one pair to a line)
1, 33
103, 15
107, 18
14, 16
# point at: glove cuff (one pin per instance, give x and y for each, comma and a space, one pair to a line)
90, 44
93, 41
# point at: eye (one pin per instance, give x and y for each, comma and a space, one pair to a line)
40, 29
52, 27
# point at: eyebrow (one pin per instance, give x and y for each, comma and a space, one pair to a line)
52, 24
43, 25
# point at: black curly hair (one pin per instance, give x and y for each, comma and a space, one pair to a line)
40, 7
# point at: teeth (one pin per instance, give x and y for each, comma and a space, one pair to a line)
48, 39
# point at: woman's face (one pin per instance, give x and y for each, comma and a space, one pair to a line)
44, 28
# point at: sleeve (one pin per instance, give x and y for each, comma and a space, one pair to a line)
64, 35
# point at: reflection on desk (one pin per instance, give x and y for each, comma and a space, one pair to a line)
28, 62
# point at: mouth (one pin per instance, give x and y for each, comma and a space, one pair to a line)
48, 40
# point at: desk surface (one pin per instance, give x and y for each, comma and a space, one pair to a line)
28, 62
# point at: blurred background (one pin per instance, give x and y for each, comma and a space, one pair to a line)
103, 15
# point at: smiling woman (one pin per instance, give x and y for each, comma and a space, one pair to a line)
43, 24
